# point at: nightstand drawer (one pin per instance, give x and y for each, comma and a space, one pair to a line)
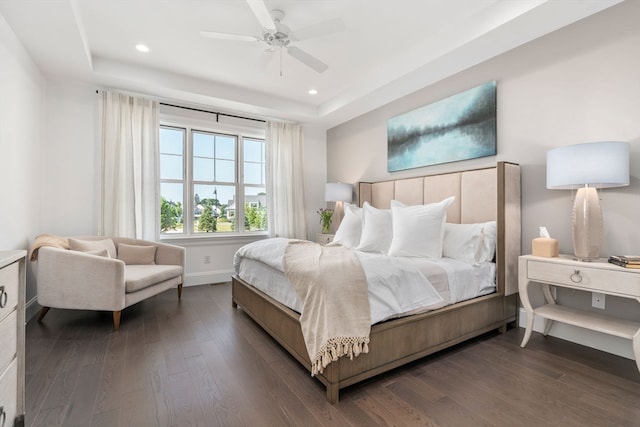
8, 289
587, 278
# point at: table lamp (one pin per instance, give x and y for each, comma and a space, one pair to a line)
338, 192
586, 167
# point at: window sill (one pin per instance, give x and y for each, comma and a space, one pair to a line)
210, 239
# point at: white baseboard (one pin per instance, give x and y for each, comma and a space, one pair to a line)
31, 308
206, 278
607, 343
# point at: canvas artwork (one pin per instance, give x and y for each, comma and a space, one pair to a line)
460, 127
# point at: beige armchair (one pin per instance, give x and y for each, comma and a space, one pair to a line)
106, 276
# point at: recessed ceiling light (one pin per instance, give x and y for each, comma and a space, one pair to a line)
313, 92
142, 48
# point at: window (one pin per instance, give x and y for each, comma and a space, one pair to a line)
204, 186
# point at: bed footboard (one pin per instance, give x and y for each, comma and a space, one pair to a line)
392, 343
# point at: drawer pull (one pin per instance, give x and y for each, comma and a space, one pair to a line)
576, 277
3, 302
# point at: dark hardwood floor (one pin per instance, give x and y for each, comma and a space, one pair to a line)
199, 362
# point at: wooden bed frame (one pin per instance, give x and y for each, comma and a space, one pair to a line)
482, 195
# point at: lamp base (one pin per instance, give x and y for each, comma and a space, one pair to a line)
339, 214
587, 224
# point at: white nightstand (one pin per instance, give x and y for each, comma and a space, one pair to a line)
565, 272
323, 239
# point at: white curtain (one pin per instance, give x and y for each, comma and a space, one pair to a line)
130, 164
285, 181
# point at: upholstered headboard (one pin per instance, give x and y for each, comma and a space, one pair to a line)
481, 195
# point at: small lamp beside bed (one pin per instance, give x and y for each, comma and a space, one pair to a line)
584, 167
338, 192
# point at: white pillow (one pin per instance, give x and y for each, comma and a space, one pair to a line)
470, 243
488, 249
462, 242
418, 230
350, 229
376, 230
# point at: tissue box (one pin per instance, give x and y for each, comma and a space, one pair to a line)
544, 247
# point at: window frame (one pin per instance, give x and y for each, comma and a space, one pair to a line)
191, 121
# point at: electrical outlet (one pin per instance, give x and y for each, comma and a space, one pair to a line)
207, 259
597, 300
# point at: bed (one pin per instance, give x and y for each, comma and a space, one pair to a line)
481, 195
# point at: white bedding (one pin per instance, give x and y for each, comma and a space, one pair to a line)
398, 286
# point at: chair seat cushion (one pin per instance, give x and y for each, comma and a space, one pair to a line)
142, 276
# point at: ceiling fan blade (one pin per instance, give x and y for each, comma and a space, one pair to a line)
262, 13
227, 36
318, 30
308, 60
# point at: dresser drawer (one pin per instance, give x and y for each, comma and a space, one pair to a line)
8, 332
588, 278
8, 391
8, 289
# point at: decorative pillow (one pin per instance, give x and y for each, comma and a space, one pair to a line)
470, 243
376, 230
134, 254
418, 230
93, 245
350, 229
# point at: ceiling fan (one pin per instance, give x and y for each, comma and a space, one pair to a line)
277, 35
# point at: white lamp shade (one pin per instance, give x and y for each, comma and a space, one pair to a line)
598, 164
337, 192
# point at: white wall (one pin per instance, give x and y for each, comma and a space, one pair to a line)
71, 150
21, 132
579, 84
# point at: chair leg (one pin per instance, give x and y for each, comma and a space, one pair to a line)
116, 320
43, 312
180, 291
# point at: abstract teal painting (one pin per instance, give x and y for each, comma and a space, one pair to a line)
460, 127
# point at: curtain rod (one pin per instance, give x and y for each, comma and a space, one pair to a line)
214, 112
218, 114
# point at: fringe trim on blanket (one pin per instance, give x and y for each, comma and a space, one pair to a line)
337, 347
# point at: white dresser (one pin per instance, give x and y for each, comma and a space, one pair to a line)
12, 320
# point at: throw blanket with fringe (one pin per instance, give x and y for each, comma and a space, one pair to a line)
336, 318
47, 240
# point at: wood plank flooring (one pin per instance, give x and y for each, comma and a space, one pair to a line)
200, 362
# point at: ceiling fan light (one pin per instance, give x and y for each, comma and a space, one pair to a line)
313, 91
142, 48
